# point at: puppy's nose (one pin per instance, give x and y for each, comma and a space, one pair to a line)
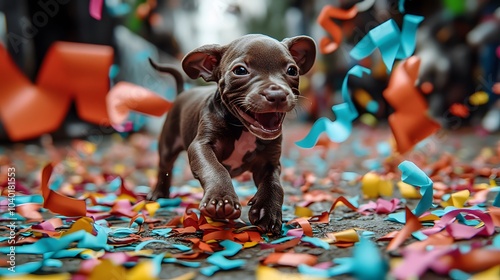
274, 94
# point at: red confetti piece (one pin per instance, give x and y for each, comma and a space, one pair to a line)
459, 110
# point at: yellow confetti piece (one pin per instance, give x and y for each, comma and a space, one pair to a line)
85, 223
486, 152
368, 119
119, 169
362, 97
479, 98
60, 276
89, 147
72, 163
93, 194
139, 206
303, 212
482, 186
492, 273
91, 254
140, 253
143, 270
349, 235
265, 273
386, 187
481, 224
250, 244
374, 186
408, 191
117, 138
151, 173
152, 208
127, 197
108, 270
457, 199
395, 262
430, 217
185, 276
369, 185
493, 183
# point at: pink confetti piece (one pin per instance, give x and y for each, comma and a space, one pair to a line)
382, 206
95, 8
416, 262
463, 231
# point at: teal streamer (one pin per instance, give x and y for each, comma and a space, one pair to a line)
392, 42
345, 113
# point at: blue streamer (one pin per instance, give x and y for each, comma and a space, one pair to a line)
345, 113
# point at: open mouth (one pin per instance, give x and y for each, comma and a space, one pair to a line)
265, 125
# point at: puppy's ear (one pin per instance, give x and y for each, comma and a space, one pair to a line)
303, 51
203, 62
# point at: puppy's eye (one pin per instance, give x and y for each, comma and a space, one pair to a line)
240, 71
292, 71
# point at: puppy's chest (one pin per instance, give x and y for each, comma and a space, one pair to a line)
242, 146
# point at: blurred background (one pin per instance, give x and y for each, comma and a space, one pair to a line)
458, 43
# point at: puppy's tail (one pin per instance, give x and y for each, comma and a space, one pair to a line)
179, 81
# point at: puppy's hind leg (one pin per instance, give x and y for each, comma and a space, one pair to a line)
168, 154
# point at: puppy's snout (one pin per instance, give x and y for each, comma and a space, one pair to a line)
275, 94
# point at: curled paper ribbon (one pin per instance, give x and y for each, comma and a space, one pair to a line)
124, 97
414, 176
366, 263
327, 45
392, 42
345, 113
69, 71
219, 260
57, 202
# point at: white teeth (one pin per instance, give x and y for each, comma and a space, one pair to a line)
252, 121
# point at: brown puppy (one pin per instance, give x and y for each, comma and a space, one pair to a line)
236, 125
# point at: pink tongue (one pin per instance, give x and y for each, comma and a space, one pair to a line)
269, 121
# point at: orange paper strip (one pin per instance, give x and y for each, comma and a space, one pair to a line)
344, 201
70, 71
304, 224
409, 122
412, 224
327, 45
323, 218
57, 202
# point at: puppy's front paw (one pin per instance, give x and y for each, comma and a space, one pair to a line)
220, 206
266, 215
157, 193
